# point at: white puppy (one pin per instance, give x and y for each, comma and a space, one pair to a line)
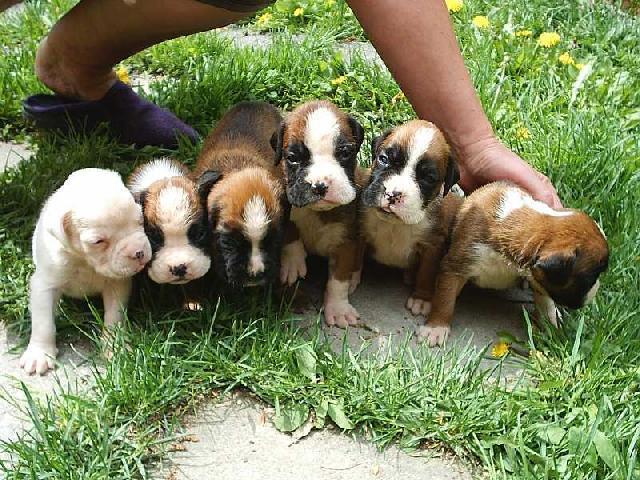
89, 240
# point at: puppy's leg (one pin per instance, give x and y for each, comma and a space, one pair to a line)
293, 263
419, 303
356, 276
342, 265
436, 331
545, 306
41, 351
115, 298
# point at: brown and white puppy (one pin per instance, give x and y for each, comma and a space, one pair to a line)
500, 235
89, 240
245, 195
175, 221
406, 210
319, 144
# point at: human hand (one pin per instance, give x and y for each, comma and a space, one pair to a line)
489, 160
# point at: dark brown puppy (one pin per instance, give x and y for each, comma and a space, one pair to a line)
406, 210
245, 195
500, 235
319, 144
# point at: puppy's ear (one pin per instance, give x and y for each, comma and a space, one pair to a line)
277, 140
357, 131
69, 229
206, 181
452, 175
377, 141
140, 197
557, 268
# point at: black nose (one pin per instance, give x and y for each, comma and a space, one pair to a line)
319, 188
393, 197
139, 255
178, 270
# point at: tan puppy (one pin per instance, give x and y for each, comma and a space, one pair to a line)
245, 195
319, 145
175, 221
406, 210
501, 235
89, 240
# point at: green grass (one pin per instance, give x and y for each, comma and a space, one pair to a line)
577, 413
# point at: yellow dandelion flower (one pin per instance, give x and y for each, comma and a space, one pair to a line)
123, 74
579, 66
548, 39
298, 12
523, 33
523, 133
566, 59
500, 349
338, 80
480, 21
454, 5
397, 97
264, 18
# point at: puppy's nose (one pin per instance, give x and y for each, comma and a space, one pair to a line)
139, 255
319, 188
178, 270
393, 197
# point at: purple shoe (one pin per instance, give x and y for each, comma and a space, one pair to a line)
131, 119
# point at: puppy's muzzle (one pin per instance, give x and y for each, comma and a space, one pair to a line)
179, 271
319, 188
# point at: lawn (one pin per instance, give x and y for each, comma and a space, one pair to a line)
572, 109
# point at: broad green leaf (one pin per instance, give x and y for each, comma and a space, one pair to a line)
321, 413
552, 434
606, 450
336, 413
306, 360
290, 417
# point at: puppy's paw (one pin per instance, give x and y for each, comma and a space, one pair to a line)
433, 335
38, 358
293, 265
354, 281
340, 313
418, 306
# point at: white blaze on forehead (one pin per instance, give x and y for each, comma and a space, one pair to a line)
420, 143
514, 199
173, 207
152, 172
256, 221
322, 130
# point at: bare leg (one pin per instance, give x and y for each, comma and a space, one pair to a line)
425, 283
293, 265
448, 287
545, 307
77, 56
41, 351
342, 266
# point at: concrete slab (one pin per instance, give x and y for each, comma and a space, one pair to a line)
13, 153
234, 439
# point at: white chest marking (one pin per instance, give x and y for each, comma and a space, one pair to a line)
318, 237
491, 269
393, 243
514, 199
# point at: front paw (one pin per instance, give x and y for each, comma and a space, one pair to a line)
293, 264
341, 314
418, 306
38, 358
433, 335
354, 281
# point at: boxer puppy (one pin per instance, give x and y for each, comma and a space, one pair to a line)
246, 202
175, 221
501, 235
89, 240
319, 145
406, 210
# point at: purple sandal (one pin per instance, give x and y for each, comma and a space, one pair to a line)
131, 119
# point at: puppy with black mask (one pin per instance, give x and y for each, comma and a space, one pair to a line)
406, 212
319, 144
175, 221
502, 235
245, 195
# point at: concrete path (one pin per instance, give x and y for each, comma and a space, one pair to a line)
13, 153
